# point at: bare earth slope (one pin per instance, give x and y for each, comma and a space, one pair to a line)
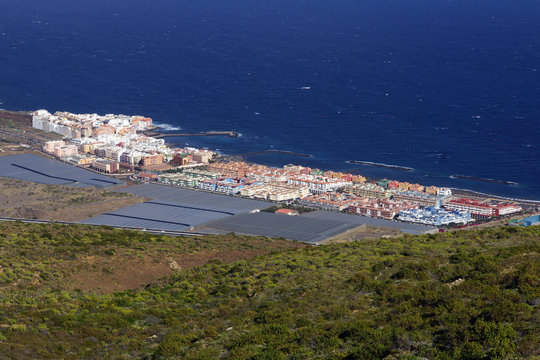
26, 199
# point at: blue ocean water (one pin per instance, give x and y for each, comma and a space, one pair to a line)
442, 86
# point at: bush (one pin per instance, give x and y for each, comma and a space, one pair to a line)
172, 345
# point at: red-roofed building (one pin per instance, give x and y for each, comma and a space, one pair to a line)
286, 212
393, 184
507, 209
381, 208
476, 208
147, 176
180, 159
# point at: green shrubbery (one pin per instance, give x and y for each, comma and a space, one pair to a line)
458, 295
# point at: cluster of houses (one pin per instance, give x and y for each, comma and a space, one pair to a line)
334, 191
88, 125
112, 142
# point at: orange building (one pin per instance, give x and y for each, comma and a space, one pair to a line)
142, 123
154, 159
358, 179
105, 166
105, 130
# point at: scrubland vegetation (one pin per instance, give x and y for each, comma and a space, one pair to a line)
457, 295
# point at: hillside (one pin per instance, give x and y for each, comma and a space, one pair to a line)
460, 295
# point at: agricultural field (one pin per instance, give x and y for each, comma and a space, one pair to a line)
459, 295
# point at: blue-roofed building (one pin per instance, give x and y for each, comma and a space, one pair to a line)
229, 188
434, 216
530, 221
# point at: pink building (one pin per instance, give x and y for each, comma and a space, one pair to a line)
51, 146
67, 150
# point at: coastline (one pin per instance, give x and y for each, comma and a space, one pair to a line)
516, 190
397, 168
155, 132
461, 190
474, 193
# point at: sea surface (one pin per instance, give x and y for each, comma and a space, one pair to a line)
441, 86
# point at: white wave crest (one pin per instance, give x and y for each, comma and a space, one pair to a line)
168, 127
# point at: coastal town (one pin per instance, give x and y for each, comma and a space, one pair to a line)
116, 144
270, 180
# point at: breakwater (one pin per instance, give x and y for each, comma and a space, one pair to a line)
159, 135
283, 152
389, 166
475, 178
